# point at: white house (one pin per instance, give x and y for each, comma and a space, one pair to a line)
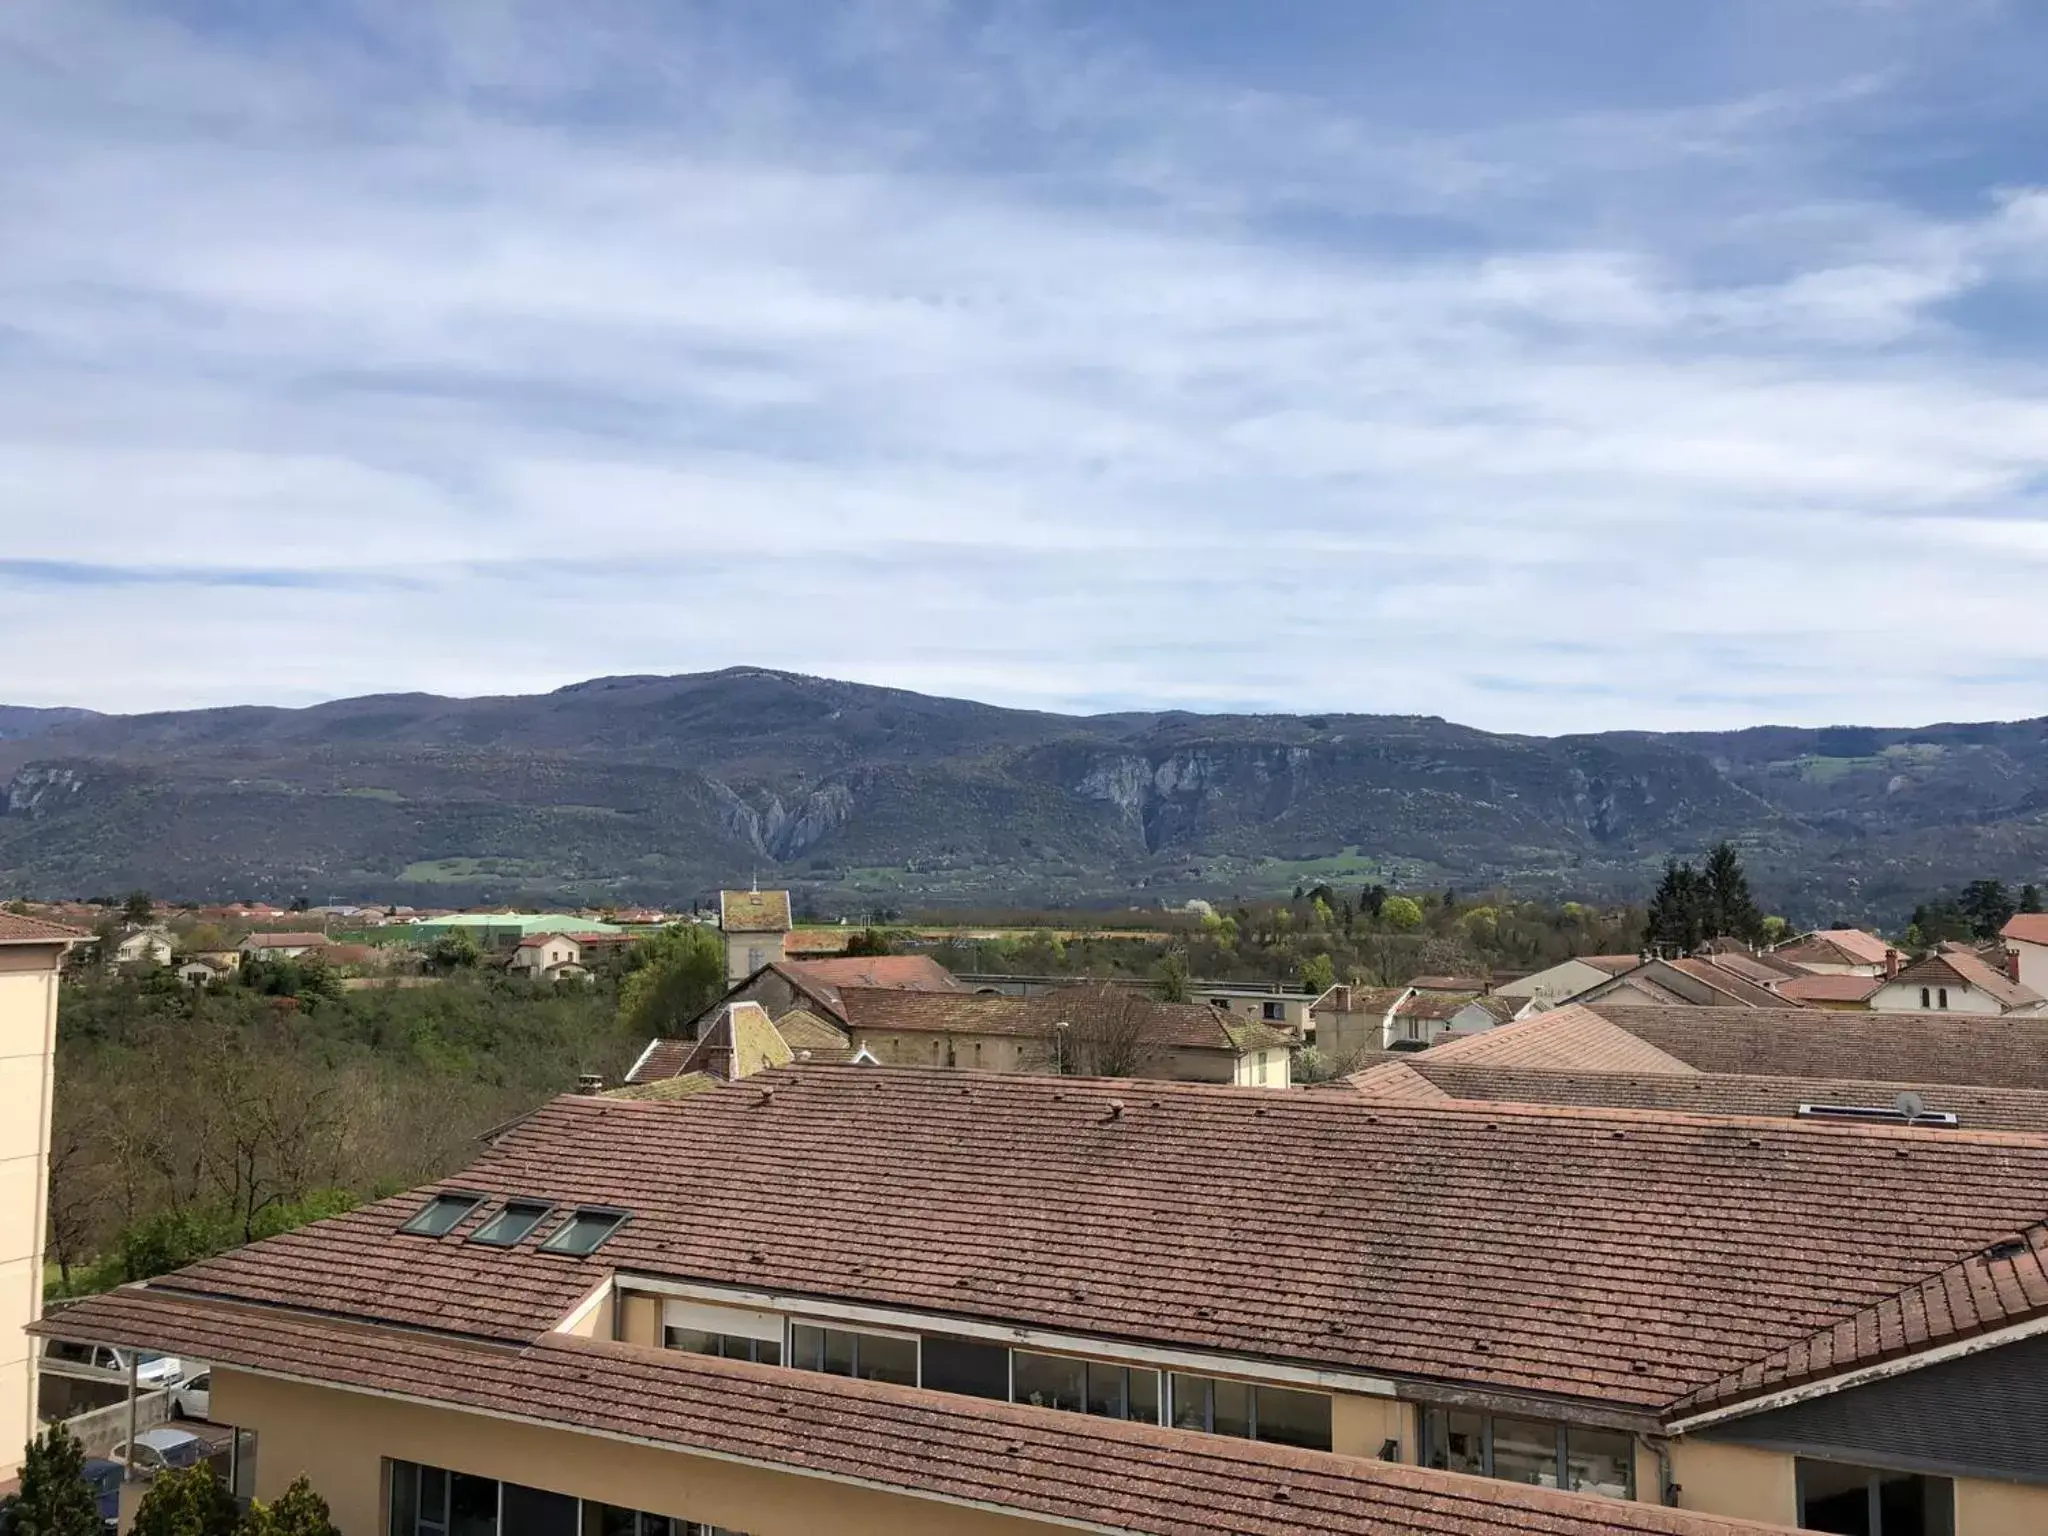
548, 957
1957, 981
2026, 943
145, 946
282, 946
1568, 978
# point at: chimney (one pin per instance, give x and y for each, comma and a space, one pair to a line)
590, 1083
1344, 998
2012, 965
1891, 963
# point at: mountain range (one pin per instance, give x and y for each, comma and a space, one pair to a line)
641, 789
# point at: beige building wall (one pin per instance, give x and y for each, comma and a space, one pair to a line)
340, 1440
1899, 997
28, 1045
1734, 1480
2000, 1509
746, 953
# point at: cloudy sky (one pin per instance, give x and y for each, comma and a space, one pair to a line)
1547, 367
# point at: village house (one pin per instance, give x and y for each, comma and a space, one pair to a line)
548, 957
1836, 952
2026, 941
1697, 981
281, 946
1957, 979
197, 973
141, 947
756, 925
1348, 1021
1553, 984
1281, 1009
32, 953
613, 1310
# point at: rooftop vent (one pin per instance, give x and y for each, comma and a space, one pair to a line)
1910, 1109
590, 1082
2009, 1248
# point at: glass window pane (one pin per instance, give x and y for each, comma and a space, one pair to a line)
609, 1520
405, 1498
838, 1352
768, 1351
1051, 1381
1232, 1413
1834, 1498
433, 1498
583, 1230
1525, 1451
1909, 1505
656, 1525
1190, 1401
885, 1359
472, 1505
1108, 1393
442, 1214
1144, 1396
966, 1366
1456, 1441
1294, 1418
691, 1341
807, 1347
511, 1224
1600, 1461
536, 1512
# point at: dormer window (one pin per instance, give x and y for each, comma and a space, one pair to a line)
442, 1214
513, 1224
583, 1229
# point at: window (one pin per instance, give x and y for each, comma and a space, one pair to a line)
441, 1215
1225, 1407
842, 1352
1944, 997
1923, 997
1533, 1451
583, 1229
1273, 1012
426, 1501
1870, 1501
725, 1346
512, 1224
966, 1366
756, 958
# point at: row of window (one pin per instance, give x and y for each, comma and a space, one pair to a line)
579, 1232
1106, 1389
429, 1501
1533, 1451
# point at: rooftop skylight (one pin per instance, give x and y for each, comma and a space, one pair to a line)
440, 1215
513, 1224
584, 1228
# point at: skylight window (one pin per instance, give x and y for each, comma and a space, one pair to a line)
583, 1229
513, 1224
440, 1215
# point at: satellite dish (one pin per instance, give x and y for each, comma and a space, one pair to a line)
1910, 1106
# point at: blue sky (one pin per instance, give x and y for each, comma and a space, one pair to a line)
1547, 367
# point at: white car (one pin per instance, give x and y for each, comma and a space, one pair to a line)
162, 1450
152, 1371
190, 1401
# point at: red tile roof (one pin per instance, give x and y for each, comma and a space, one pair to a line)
1951, 967
1865, 948
662, 1058
1993, 1050
754, 911
1468, 985
1700, 1093
1833, 988
1068, 1467
1726, 981
1980, 1294
1196, 1026
2027, 927
915, 973
1568, 1037
17, 929
1585, 1254
285, 940
1433, 1005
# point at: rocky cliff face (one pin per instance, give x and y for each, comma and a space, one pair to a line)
661, 788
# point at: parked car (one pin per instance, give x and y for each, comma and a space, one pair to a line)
161, 1450
190, 1400
104, 1478
151, 1370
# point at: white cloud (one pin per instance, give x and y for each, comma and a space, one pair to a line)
554, 343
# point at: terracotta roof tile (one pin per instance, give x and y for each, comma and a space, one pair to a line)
302, 940
917, 973
2027, 927
666, 1089
1699, 1093
1591, 1255
1951, 966
1179, 1025
754, 911
1569, 1037
1991, 1050
1866, 948
1072, 1467
18, 929
1831, 988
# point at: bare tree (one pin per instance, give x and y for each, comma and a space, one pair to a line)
1097, 1031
